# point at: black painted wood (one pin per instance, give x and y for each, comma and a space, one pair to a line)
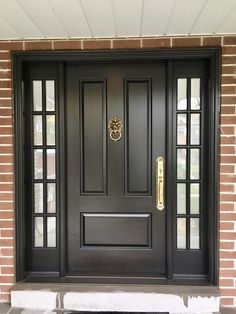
120, 233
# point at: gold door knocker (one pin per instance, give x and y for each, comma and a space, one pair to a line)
115, 127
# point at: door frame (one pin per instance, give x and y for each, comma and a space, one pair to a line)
211, 54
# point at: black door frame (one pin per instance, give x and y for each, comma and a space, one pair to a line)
210, 54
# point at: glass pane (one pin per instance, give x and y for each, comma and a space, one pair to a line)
181, 163
195, 129
38, 130
195, 94
51, 232
181, 129
194, 163
181, 198
194, 233
182, 94
38, 232
50, 96
181, 233
51, 164
51, 197
194, 198
38, 197
38, 164
37, 95
51, 130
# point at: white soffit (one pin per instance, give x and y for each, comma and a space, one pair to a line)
39, 19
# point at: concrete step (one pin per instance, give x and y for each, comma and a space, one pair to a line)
116, 298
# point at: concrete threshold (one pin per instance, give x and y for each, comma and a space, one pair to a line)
116, 298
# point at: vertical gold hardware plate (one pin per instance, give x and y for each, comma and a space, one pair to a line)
115, 128
160, 183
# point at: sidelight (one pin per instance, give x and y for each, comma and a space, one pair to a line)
44, 163
188, 163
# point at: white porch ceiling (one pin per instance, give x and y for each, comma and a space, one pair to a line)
40, 19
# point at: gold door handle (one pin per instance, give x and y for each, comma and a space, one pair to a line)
160, 183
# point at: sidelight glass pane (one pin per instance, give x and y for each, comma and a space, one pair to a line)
38, 232
51, 164
38, 130
182, 94
194, 164
181, 129
50, 122
50, 96
195, 93
37, 96
181, 163
38, 197
38, 164
194, 233
181, 198
51, 232
194, 198
195, 129
181, 233
51, 197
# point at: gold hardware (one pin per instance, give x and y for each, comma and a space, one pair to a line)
115, 127
160, 180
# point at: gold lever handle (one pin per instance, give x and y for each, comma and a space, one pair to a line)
160, 181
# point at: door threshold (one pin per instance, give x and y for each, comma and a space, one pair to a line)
115, 298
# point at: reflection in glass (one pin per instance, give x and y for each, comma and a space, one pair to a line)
51, 164
194, 234
195, 93
38, 163
194, 198
181, 129
38, 232
182, 94
181, 163
50, 96
181, 233
37, 95
181, 198
50, 129
194, 163
51, 232
195, 129
51, 197
38, 197
38, 130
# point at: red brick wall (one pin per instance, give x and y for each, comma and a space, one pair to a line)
227, 149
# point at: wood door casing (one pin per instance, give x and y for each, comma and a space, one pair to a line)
113, 225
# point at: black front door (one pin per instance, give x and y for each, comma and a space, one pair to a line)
114, 226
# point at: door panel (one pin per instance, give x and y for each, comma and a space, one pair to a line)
114, 227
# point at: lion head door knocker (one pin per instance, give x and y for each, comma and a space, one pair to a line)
115, 128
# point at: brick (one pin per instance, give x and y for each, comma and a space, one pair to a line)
228, 292
227, 264
228, 120
212, 41
229, 50
12, 46
126, 44
5, 93
226, 245
228, 150
6, 103
226, 301
228, 216
229, 60
228, 80
7, 224
67, 45
6, 178
227, 140
5, 84
224, 169
6, 168
6, 121
5, 298
6, 234
6, 112
7, 261
186, 42
7, 270
6, 130
97, 44
5, 74
6, 197
227, 226
6, 187
228, 100
6, 252
5, 55
6, 140
226, 207
5, 288
228, 69
38, 45
228, 109
226, 283
6, 159
231, 177
228, 198
5, 65
227, 255
7, 279
227, 187
228, 89
7, 242
7, 215
156, 43
227, 235
229, 40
